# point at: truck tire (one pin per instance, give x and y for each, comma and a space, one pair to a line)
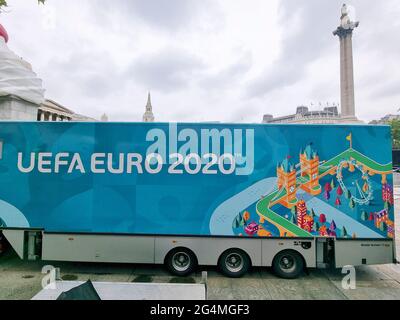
288, 264
181, 262
234, 263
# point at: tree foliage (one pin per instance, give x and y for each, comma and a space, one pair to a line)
352, 204
333, 185
3, 3
293, 219
239, 221
364, 215
328, 187
395, 125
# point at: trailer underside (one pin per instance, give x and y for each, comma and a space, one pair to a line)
316, 252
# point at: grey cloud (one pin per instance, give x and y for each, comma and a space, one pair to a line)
228, 76
283, 74
386, 89
243, 113
168, 15
92, 74
312, 39
166, 70
77, 73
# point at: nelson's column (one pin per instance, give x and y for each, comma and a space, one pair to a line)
345, 33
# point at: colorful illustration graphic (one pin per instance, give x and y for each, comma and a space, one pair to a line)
198, 179
312, 194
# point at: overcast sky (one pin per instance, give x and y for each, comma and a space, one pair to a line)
205, 60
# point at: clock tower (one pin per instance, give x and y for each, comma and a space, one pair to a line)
309, 164
286, 173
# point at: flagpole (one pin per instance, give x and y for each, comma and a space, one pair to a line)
350, 138
351, 141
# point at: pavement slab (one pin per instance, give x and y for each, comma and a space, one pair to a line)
303, 289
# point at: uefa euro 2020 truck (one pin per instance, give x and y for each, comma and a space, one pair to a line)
232, 195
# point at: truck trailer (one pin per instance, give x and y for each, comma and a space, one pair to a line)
189, 194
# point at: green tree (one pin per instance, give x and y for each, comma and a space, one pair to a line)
235, 224
395, 125
348, 194
333, 185
344, 232
364, 215
239, 221
3, 3
352, 204
293, 219
383, 227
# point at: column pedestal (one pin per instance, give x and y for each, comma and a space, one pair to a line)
15, 108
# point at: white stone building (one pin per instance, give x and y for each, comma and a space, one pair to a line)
50, 110
303, 115
22, 94
21, 91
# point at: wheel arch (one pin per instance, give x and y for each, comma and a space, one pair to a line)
176, 249
291, 250
237, 249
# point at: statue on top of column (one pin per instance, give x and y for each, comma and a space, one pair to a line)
345, 21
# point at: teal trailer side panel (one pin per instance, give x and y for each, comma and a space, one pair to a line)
236, 180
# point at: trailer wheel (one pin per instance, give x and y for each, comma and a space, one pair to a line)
288, 264
181, 262
234, 263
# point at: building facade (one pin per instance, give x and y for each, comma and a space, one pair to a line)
386, 119
305, 116
50, 110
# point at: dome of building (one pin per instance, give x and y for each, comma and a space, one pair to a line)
16, 75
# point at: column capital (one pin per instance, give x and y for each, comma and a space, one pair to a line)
343, 32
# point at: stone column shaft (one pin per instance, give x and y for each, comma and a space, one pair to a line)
347, 76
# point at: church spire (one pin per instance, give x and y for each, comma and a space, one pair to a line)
148, 115
149, 106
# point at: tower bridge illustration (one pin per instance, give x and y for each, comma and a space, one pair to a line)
306, 175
